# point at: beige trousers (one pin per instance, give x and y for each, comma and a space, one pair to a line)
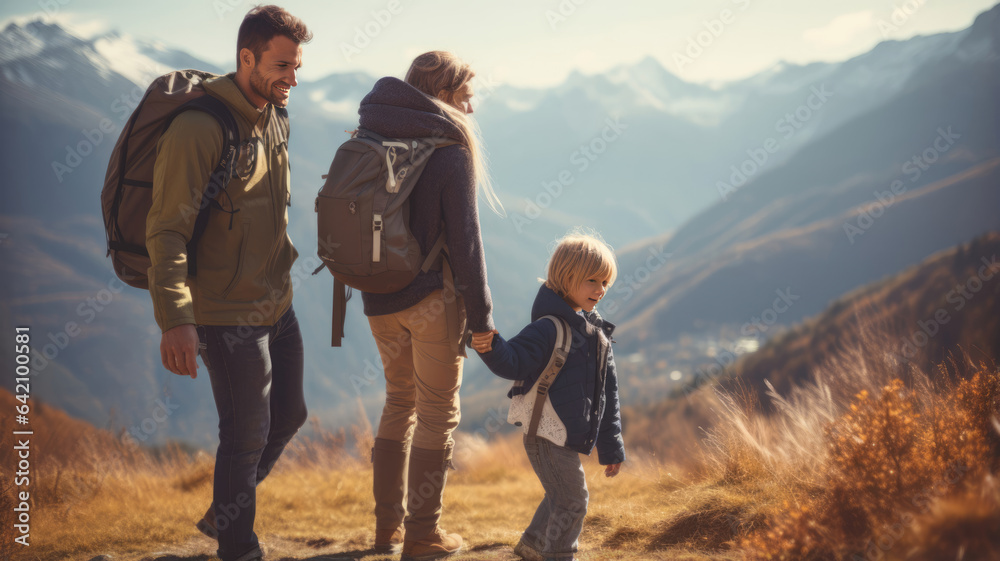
423, 373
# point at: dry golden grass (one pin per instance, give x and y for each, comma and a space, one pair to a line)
897, 459
904, 467
317, 504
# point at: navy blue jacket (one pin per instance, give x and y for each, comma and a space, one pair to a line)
585, 394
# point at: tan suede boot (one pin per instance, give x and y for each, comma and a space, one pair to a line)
389, 459
425, 540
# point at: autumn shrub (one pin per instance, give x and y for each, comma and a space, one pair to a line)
892, 458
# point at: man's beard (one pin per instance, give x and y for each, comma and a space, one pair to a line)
265, 90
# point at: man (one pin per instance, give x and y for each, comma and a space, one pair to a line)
237, 310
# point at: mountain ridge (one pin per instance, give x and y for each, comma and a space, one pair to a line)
650, 181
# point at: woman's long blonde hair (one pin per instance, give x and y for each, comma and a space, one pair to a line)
441, 75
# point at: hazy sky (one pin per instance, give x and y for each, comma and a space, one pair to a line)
534, 42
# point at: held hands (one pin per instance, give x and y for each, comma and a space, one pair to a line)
178, 349
612, 470
483, 342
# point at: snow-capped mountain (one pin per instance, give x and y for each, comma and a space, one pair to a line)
634, 152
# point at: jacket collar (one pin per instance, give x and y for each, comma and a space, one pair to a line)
548, 303
225, 88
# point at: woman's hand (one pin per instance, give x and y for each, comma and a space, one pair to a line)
483, 342
612, 470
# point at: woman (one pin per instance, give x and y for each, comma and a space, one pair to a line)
420, 330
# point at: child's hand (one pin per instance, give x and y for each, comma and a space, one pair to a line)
483, 342
612, 470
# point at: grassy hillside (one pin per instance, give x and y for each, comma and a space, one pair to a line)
904, 469
941, 309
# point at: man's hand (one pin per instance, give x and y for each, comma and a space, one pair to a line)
483, 342
612, 470
178, 349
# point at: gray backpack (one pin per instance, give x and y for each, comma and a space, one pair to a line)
364, 217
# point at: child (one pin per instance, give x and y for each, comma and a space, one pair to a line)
583, 400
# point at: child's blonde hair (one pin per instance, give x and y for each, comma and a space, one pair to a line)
578, 256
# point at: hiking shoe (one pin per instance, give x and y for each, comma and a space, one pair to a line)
389, 540
527, 552
207, 524
437, 545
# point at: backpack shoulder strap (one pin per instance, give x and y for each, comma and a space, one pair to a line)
219, 178
437, 249
282, 115
341, 294
556, 361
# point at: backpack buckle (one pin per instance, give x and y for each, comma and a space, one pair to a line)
376, 238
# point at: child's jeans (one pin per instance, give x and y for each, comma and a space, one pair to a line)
555, 529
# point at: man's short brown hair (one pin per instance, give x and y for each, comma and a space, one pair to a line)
263, 23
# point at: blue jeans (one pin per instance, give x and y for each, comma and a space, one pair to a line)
256, 374
555, 529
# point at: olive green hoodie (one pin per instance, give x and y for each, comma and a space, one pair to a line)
245, 256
